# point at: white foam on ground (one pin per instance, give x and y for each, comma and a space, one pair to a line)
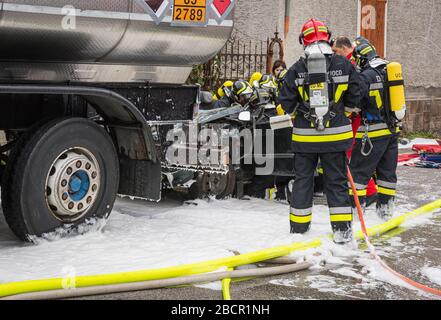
434, 274
142, 236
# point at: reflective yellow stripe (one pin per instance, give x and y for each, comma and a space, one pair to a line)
324, 138
341, 217
376, 134
308, 31
360, 193
366, 50
377, 95
297, 219
323, 29
242, 89
303, 94
341, 88
388, 192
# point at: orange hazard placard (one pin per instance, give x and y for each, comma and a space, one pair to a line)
190, 11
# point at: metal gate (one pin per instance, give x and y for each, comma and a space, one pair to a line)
239, 59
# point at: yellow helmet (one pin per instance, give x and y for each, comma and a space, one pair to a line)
221, 90
256, 76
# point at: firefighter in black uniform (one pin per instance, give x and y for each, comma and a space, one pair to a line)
224, 95
376, 149
318, 89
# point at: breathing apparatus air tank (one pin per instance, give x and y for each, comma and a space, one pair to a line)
396, 90
318, 88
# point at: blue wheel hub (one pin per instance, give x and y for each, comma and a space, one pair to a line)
79, 185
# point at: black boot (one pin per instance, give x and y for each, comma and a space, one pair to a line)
371, 200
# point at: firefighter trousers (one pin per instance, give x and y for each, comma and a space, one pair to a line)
335, 185
383, 162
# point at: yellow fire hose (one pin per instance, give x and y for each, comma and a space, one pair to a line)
164, 283
226, 287
10, 289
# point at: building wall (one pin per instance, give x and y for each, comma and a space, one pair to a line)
414, 39
339, 15
257, 19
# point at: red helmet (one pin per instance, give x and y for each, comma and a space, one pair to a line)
314, 31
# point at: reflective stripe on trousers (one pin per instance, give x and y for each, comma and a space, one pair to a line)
301, 216
387, 188
361, 190
343, 214
304, 216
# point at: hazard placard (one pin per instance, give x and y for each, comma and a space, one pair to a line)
190, 11
221, 6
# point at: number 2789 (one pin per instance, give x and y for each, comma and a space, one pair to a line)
191, 14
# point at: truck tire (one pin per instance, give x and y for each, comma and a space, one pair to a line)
219, 185
60, 175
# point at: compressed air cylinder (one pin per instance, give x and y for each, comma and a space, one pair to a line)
318, 89
396, 90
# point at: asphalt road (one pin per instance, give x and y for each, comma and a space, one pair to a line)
418, 247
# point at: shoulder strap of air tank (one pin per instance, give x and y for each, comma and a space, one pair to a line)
385, 110
332, 104
305, 83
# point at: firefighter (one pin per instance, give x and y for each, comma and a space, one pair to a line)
241, 92
343, 46
278, 67
376, 148
269, 84
224, 97
318, 89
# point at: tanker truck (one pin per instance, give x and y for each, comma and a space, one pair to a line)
86, 87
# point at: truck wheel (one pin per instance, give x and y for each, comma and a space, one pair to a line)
220, 185
59, 176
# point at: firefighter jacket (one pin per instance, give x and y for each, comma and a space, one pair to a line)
374, 104
224, 102
344, 93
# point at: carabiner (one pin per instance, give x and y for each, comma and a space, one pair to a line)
366, 140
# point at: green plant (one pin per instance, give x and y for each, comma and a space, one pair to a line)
420, 134
207, 75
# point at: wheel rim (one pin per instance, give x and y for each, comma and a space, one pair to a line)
217, 183
72, 184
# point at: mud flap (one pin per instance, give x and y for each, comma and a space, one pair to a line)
140, 179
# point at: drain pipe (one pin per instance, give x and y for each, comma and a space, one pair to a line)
157, 284
287, 18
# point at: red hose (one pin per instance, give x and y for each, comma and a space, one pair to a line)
372, 248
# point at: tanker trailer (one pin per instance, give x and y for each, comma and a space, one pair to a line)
82, 83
